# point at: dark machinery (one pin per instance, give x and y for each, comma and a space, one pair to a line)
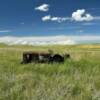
41, 57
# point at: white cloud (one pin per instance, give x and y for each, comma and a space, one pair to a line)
56, 19
5, 31
50, 40
43, 7
46, 18
46, 40
81, 15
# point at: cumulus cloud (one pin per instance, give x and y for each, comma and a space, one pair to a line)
81, 15
56, 19
43, 7
46, 18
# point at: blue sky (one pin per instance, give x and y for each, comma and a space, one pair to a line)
49, 17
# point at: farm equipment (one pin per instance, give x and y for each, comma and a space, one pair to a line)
42, 57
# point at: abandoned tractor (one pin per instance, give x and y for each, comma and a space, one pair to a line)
38, 57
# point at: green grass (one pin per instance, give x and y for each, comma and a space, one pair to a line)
77, 79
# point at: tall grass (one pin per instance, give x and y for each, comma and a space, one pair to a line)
78, 78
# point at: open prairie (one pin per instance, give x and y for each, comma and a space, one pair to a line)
78, 78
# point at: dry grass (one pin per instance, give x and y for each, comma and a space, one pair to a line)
77, 79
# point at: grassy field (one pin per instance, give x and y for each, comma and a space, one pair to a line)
77, 79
